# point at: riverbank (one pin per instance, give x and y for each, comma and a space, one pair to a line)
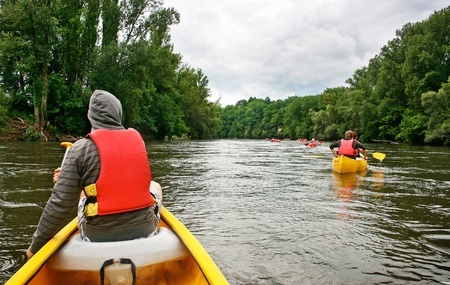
17, 129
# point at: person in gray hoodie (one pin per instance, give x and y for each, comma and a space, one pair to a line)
81, 168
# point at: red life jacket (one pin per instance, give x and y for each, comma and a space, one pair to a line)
346, 148
124, 181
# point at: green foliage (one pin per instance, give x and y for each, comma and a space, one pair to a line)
3, 115
398, 96
3, 109
200, 115
298, 116
412, 128
53, 54
439, 136
51, 61
31, 135
437, 107
394, 84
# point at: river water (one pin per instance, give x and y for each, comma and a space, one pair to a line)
273, 213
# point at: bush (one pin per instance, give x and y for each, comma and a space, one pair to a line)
3, 115
31, 135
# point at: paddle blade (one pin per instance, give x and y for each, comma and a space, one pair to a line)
67, 145
378, 155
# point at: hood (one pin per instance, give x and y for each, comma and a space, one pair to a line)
105, 111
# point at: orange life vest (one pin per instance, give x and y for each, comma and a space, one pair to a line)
346, 148
124, 181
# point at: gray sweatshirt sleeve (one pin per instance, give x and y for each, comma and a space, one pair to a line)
65, 193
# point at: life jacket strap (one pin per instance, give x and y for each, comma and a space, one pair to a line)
91, 205
91, 200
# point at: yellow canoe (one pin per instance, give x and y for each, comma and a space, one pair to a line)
343, 164
173, 256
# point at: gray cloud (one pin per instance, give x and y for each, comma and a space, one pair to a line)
283, 48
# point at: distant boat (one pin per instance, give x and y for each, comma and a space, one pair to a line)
312, 144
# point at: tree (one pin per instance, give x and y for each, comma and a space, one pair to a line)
437, 107
28, 35
200, 115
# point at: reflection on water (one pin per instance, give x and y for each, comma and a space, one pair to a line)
345, 185
274, 213
378, 179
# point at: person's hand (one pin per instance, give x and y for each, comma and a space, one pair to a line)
56, 174
29, 254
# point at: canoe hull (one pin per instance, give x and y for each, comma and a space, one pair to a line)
192, 265
343, 164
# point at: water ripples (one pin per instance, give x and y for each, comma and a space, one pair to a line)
274, 213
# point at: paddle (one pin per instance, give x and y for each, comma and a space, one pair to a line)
67, 145
379, 155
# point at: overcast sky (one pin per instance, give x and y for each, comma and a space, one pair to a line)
284, 48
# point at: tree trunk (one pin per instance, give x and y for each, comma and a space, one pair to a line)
44, 97
44, 118
36, 117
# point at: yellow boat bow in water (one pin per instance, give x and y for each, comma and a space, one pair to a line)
173, 256
343, 164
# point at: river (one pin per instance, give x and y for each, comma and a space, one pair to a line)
273, 213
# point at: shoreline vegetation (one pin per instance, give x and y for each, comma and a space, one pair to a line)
402, 95
17, 129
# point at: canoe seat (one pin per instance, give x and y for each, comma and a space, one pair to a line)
79, 255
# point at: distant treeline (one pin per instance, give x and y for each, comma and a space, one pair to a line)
402, 95
53, 54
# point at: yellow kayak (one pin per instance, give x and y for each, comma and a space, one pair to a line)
173, 256
343, 164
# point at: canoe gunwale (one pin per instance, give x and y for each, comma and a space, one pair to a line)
201, 256
206, 265
34, 265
